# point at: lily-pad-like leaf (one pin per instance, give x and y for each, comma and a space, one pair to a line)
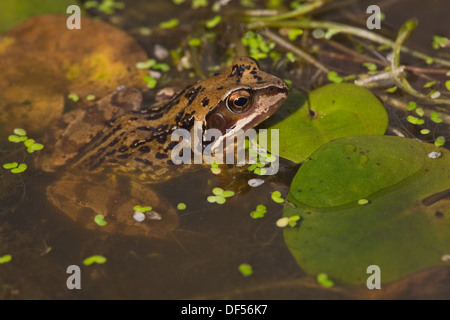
403, 228
334, 111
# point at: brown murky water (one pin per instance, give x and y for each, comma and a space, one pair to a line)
200, 259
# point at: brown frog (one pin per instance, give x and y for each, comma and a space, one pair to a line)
115, 151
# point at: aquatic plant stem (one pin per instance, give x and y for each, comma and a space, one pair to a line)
399, 77
338, 28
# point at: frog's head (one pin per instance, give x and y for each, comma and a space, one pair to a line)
239, 98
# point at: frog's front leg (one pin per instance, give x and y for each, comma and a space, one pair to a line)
83, 198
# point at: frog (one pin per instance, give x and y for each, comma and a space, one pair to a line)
112, 155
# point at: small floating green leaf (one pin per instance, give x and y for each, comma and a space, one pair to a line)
440, 141
217, 191
333, 77
20, 132
142, 209
391, 89
151, 82
181, 206
276, 196
245, 269
10, 165
21, 168
424, 131
90, 97
213, 22
6, 258
228, 193
435, 117
429, 84
447, 85
411, 106
294, 34
94, 259
420, 112
172, 23
363, 202
259, 212
73, 97
322, 278
194, 42
29, 142
100, 220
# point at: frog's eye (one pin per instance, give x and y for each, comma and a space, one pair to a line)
239, 101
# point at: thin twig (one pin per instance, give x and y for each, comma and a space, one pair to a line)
288, 46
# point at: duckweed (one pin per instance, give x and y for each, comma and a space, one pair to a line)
276, 196
20, 132
259, 212
288, 221
363, 202
20, 168
90, 97
6, 258
333, 77
245, 269
424, 131
142, 209
391, 89
181, 206
94, 259
10, 165
440, 141
220, 195
414, 120
429, 84
74, 97
170, 24
215, 168
322, 278
213, 22
420, 112
447, 85
435, 117
100, 220
411, 106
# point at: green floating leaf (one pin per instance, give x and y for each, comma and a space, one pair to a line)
333, 77
6, 258
94, 259
276, 196
213, 22
322, 278
170, 24
10, 165
259, 212
16, 139
20, 132
73, 97
411, 106
142, 209
440, 141
21, 168
100, 220
245, 269
335, 111
403, 230
181, 206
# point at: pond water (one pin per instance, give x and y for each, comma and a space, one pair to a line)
201, 257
